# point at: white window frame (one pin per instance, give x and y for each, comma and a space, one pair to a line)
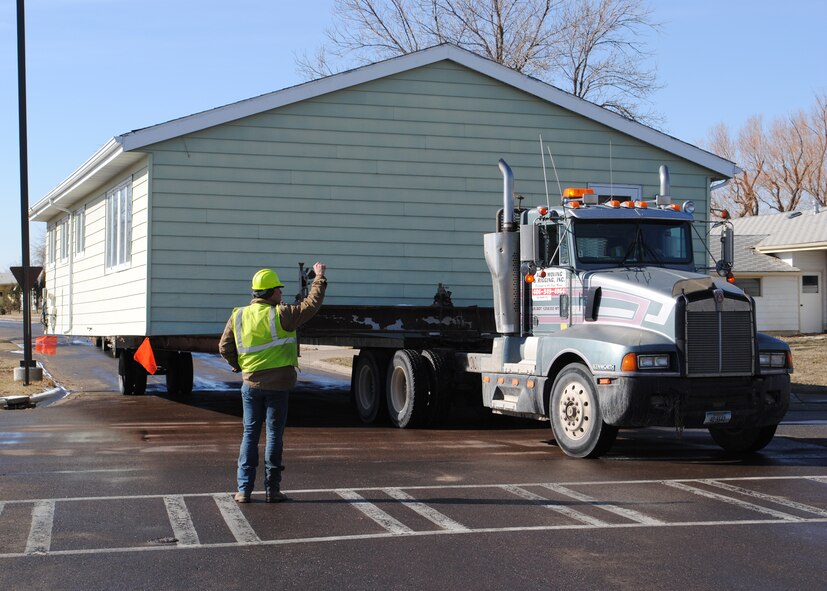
65, 243
51, 240
606, 191
79, 222
119, 227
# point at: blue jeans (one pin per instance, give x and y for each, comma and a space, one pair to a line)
259, 405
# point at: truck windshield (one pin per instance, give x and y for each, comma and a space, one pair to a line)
644, 242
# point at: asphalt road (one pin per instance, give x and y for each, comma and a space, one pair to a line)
102, 491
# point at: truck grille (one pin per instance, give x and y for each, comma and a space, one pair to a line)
719, 343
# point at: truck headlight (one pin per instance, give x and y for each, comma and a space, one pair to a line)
775, 359
652, 361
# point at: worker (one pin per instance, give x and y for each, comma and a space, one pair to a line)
260, 342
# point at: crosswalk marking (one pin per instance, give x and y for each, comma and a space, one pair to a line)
391, 524
40, 535
732, 491
733, 501
181, 521
235, 520
427, 512
622, 511
765, 497
549, 504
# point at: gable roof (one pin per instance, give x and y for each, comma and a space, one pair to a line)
7, 279
117, 155
784, 232
750, 260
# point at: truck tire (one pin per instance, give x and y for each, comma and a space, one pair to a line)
408, 389
131, 374
743, 439
575, 416
438, 364
368, 384
179, 373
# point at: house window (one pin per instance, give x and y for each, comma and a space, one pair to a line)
751, 286
64, 238
119, 226
52, 241
606, 192
809, 284
80, 230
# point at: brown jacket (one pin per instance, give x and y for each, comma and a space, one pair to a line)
292, 316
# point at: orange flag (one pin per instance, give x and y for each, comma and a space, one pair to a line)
146, 357
46, 345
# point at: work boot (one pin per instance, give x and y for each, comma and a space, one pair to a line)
275, 496
241, 497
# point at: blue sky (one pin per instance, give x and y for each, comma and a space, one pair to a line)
99, 68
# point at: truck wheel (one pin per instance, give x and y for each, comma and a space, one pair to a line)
743, 439
131, 374
407, 389
368, 384
438, 364
179, 373
575, 414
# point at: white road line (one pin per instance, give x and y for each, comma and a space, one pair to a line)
743, 504
821, 479
773, 498
40, 535
181, 521
386, 521
238, 524
553, 505
426, 511
622, 511
385, 535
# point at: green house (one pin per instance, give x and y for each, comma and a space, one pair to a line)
387, 173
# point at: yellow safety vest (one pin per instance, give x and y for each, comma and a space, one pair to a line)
261, 341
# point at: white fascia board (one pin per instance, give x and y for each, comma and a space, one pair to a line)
178, 127
99, 160
778, 248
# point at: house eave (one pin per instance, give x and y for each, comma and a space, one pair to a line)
108, 162
776, 248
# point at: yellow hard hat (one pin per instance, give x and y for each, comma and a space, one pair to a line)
266, 279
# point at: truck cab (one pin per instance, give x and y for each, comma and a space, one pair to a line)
605, 321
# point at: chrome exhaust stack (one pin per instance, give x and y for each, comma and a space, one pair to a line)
502, 254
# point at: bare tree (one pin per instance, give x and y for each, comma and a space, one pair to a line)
594, 49
787, 165
740, 195
816, 181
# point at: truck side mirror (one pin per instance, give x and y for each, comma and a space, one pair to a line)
727, 259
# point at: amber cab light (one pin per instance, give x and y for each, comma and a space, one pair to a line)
613, 203
529, 278
542, 210
577, 192
730, 278
629, 362
641, 204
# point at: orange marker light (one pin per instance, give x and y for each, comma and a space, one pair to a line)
629, 362
641, 204
542, 210
515, 382
730, 278
613, 203
577, 192
627, 204
529, 278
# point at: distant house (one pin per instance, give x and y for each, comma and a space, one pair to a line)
781, 261
9, 293
388, 173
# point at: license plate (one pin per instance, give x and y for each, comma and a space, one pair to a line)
716, 417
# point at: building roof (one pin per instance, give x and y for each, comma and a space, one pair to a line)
7, 279
784, 232
750, 260
122, 152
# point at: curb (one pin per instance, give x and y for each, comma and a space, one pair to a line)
24, 401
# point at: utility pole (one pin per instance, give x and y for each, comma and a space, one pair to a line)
24, 187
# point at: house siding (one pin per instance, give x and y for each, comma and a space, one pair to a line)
103, 302
392, 183
777, 308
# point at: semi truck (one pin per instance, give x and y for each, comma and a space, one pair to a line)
602, 319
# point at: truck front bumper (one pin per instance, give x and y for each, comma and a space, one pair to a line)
695, 402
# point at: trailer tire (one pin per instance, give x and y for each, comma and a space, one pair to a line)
368, 384
179, 373
131, 374
574, 413
743, 439
438, 364
408, 389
